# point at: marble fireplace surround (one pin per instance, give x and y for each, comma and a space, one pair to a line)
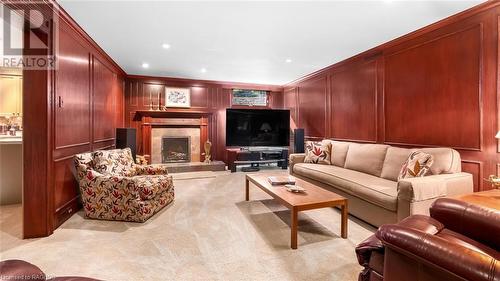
157, 133
155, 125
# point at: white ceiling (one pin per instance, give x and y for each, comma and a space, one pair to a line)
247, 41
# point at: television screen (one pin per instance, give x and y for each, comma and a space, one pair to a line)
257, 127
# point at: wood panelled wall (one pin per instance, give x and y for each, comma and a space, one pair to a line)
89, 95
207, 97
433, 87
85, 102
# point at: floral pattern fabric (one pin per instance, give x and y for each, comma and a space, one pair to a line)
318, 152
116, 197
114, 162
417, 165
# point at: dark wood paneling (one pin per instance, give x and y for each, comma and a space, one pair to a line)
353, 95
207, 97
475, 168
104, 102
72, 92
153, 94
199, 97
65, 183
437, 86
426, 99
290, 102
312, 98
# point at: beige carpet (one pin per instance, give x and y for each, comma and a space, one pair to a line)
209, 233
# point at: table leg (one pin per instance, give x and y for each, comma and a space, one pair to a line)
344, 220
247, 191
293, 226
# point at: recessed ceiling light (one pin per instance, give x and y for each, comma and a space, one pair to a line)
288, 60
203, 70
145, 65
165, 46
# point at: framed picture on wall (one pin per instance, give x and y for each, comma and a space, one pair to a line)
249, 97
177, 97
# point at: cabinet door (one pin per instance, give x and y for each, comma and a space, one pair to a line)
10, 94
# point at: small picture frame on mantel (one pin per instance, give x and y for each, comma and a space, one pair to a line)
177, 97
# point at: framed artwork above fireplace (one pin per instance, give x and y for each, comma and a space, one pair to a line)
177, 97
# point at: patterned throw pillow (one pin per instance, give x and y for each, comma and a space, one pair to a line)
417, 165
318, 152
116, 162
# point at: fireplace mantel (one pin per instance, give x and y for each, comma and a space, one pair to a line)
156, 118
172, 113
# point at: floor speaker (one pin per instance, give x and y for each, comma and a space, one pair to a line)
125, 137
298, 141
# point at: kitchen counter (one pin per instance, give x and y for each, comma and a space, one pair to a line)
11, 140
11, 169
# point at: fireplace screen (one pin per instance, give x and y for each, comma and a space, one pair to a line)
175, 149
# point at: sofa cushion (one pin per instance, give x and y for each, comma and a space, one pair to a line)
446, 160
318, 152
373, 189
394, 160
366, 158
339, 152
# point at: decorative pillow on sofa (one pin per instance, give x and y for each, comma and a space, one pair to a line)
318, 152
117, 162
417, 165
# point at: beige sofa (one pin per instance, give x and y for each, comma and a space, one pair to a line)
367, 175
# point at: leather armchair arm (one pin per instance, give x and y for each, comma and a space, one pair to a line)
435, 186
474, 221
364, 249
295, 158
436, 251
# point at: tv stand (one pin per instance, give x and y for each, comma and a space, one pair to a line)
256, 156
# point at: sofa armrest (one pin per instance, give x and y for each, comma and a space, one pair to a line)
295, 158
148, 186
155, 169
480, 223
438, 252
435, 186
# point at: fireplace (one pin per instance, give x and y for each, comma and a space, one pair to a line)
175, 149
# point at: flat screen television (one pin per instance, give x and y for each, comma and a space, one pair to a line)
257, 127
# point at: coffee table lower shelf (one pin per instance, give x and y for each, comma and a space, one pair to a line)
315, 197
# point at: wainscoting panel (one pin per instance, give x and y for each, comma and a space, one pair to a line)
312, 103
353, 92
427, 105
72, 106
104, 103
290, 102
199, 98
476, 169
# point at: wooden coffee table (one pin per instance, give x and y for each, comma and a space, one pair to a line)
314, 197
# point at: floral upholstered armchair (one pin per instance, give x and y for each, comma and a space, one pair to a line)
113, 187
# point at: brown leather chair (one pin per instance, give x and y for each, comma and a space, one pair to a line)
22, 270
459, 241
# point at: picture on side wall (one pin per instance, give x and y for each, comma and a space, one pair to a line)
177, 97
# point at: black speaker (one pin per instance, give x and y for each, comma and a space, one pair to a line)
125, 137
298, 141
